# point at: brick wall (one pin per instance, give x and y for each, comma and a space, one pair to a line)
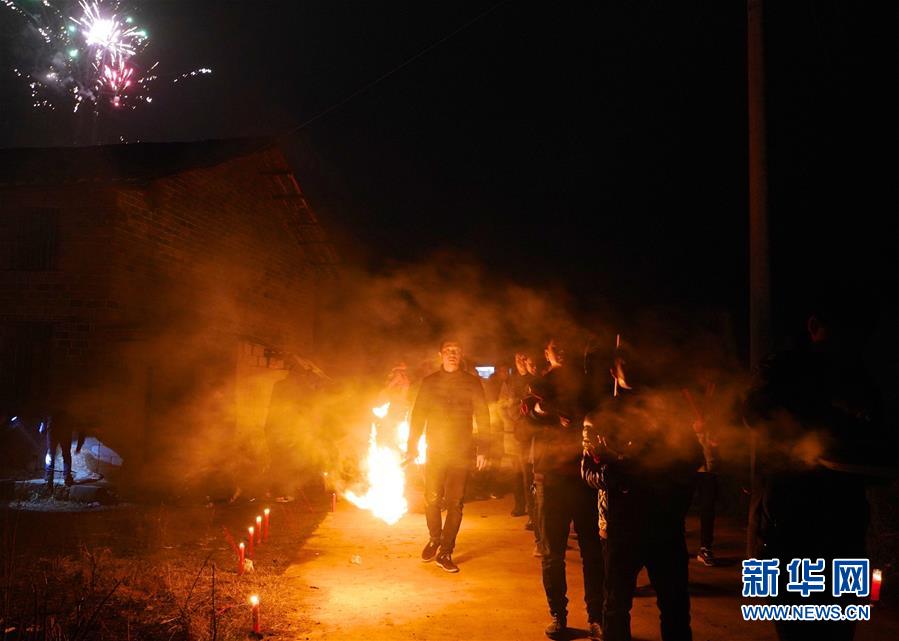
156, 285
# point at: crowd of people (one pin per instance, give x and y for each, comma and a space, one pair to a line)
608, 448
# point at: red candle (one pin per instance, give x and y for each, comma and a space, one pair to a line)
258, 530
876, 578
250, 543
254, 601
265, 524
241, 554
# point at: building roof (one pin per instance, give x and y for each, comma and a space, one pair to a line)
124, 163
140, 163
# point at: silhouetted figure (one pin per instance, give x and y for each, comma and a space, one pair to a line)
59, 431
292, 432
516, 387
488, 483
698, 399
811, 408
559, 403
639, 451
447, 401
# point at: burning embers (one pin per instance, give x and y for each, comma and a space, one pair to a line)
384, 471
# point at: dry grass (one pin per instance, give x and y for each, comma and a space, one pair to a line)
189, 591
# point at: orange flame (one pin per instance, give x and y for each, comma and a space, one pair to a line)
385, 475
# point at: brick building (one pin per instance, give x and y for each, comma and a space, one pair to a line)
161, 286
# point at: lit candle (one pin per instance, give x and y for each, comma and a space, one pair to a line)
241, 555
250, 542
254, 601
258, 530
333, 501
265, 523
876, 578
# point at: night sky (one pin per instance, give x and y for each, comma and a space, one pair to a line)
600, 146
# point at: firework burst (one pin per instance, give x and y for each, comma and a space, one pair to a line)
87, 53
108, 36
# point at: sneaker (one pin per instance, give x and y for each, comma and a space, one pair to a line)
594, 631
519, 512
430, 551
558, 628
706, 556
445, 560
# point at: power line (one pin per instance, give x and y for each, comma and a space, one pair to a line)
397, 68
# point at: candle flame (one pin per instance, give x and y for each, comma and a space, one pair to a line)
266, 511
254, 600
877, 576
381, 410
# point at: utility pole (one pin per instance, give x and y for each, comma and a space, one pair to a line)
759, 255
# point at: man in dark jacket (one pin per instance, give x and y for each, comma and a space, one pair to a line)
560, 401
446, 403
644, 458
810, 409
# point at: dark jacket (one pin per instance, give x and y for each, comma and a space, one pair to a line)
806, 407
565, 399
445, 405
641, 443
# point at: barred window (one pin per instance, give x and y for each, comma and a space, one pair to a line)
28, 239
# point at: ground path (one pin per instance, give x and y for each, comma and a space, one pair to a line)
387, 593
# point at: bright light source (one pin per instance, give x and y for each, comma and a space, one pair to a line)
485, 371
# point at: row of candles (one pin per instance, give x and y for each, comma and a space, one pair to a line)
256, 535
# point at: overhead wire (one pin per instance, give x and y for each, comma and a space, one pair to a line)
395, 69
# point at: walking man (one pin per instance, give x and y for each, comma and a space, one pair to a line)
444, 408
559, 403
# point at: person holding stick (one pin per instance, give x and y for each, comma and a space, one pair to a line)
707, 475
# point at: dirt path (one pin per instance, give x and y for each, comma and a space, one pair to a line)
390, 594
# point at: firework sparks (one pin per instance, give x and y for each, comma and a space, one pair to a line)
93, 56
111, 39
118, 79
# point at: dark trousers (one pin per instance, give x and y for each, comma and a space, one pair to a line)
560, 502
646, 533
521, 487
63, 439
707, 488
444, 479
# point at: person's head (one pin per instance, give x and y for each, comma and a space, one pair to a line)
525, 364
554, 353
841, 317
819, 330
451, 355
